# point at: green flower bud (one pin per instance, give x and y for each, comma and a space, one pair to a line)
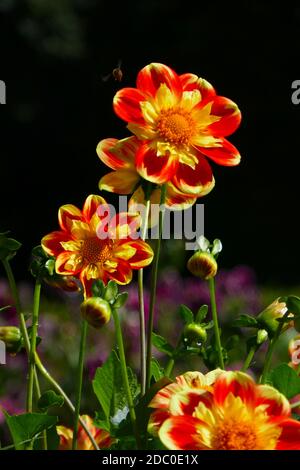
194, 333
268, 317
203, 265
96, 311
262, 336
11, 336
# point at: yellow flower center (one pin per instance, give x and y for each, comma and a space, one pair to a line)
175, 127
95, 250
232, 435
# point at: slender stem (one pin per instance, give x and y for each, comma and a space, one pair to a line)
34, 329
142, 306
248, 359
24, 332
169, 367
270, 351
154, 285
295, 405
126, 384
82, 346
42, 369
212, 292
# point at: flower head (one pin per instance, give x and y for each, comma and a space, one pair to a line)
223, 411
268, 319
179, 120
81, 252
101, 437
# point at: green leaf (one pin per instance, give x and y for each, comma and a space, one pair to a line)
186, 314
121, 299
111, 291
161, 344
8, 246
109, 389
52, 440
98, 288
28, 426
286, 380
245, 321
201, 314
293, 304
2, 309
49, 399
156, 370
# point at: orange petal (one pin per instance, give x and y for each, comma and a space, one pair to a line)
225, 154
118, 154
238, 384
141, 253
91, 206
67, 214
290, 436
230, 117
127, 105
122, 274
180, 433
120, 181
153, 75
194, 181
153, 168
51, 243
156, 420
177, 200
277, 404
123, 225
68, 262
191, 82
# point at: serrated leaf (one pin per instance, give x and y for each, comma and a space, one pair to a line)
156, 370
186, 314
201, 314
161, 344
26, 427
121, 299
285, 380
49, 399
245, 321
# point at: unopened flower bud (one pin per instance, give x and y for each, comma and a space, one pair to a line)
202, 265
11, 336
262, 336
268, 319
96, 311
194, 333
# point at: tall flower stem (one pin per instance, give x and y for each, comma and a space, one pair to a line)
154, 285
212, 293
82, 346
126, 384
34, 329
142, 305
248, 359
48, 377
22, 322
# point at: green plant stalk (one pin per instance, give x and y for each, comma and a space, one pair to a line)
169, 367
142, 306
248, 359
35, 318
270, 351
126, 384
84, 327
212, 293
154, 276
48, 377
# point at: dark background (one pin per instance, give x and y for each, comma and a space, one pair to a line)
52, 57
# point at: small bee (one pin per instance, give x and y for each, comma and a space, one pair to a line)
117, 73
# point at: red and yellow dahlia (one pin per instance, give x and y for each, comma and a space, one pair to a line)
80, 252
179, 120
102, 438
119, 155
223, 411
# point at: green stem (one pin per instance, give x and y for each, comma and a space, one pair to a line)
82, 346
154, 285
34, 330
67, 401
270, 351
142, 306
126, 384
248, 359
212, 292
298, 370
169, 367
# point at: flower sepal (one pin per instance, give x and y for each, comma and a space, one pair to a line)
8, 247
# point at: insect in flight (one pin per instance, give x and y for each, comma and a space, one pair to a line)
117, 73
